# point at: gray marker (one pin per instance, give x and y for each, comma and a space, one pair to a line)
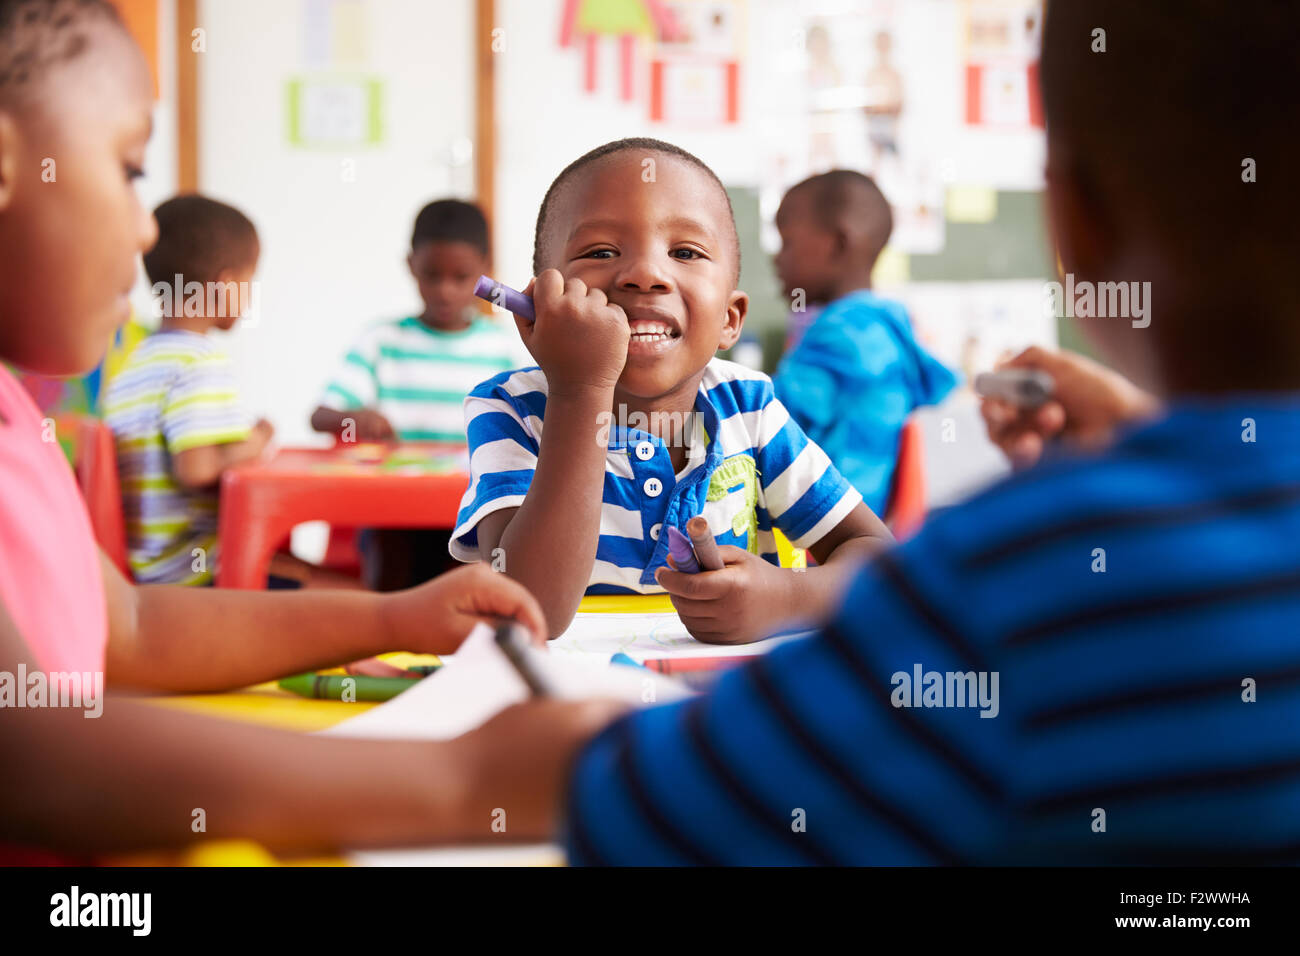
1023, 387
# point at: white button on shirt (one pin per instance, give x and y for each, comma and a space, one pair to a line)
645, 451
652, 487
654, 530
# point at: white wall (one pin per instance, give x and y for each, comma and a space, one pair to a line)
333, 252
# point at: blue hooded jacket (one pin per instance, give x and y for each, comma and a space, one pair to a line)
851, 382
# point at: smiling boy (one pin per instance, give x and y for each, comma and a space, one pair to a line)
637, 263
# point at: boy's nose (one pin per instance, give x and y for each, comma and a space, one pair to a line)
643, 274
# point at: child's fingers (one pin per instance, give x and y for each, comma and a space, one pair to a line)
696, 610
706, 548
703, 586
547, 288
1050, 418
729, 554
493, 595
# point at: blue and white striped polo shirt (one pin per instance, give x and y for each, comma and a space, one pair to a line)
1142, 611
749, 469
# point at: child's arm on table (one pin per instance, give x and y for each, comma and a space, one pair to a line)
580, 342
192, 640
202, 465
129, 780
750, 598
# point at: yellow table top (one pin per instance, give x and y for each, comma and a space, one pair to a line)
270, 706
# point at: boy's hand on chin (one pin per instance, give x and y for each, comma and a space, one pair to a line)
743, 602
580, 338
436, 616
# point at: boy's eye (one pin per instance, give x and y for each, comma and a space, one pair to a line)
689, 253
599, 254
133, 172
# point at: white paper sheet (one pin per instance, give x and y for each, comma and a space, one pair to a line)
646, 636
477, 681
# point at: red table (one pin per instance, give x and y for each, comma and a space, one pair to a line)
361, 486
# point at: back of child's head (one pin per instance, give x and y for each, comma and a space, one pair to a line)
644, 145
848, 201
451, 220
1178, 123
199, 239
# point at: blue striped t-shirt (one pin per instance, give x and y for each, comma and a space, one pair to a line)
1142, 613
749, 469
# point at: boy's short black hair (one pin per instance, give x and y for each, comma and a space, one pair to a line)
1161, 124
450, 220
643, 144
846, 194
198, 238
37, 34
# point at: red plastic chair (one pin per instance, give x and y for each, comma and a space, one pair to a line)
341, 551
90, 447
906, 511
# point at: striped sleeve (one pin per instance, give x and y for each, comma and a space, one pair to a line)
354, 384
502, 458
805, 494
202, 406
798, 758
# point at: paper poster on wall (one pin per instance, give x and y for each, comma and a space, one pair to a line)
334, 112
1002, 39
680, 56
335, 34
864, 103
695, 70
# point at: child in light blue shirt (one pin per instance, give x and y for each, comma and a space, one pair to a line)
857, 372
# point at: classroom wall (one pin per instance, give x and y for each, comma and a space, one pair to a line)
333, 250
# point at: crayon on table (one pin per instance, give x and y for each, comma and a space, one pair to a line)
334, 687
623, 659
682, 665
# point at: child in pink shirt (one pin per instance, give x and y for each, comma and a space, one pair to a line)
49, 571
74, 87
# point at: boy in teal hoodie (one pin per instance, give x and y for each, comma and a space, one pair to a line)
857, 373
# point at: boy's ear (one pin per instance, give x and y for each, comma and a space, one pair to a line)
737, 309
1080, 221
410, 262
8, 159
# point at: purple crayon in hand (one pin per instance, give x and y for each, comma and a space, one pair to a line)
679, 546
499, 294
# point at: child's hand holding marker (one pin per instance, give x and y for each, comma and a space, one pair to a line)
579, 337
733, 598
1086, 403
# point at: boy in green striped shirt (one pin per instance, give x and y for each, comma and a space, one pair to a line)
174, 407
406, 379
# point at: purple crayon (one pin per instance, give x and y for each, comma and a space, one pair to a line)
679, 546
500, 294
